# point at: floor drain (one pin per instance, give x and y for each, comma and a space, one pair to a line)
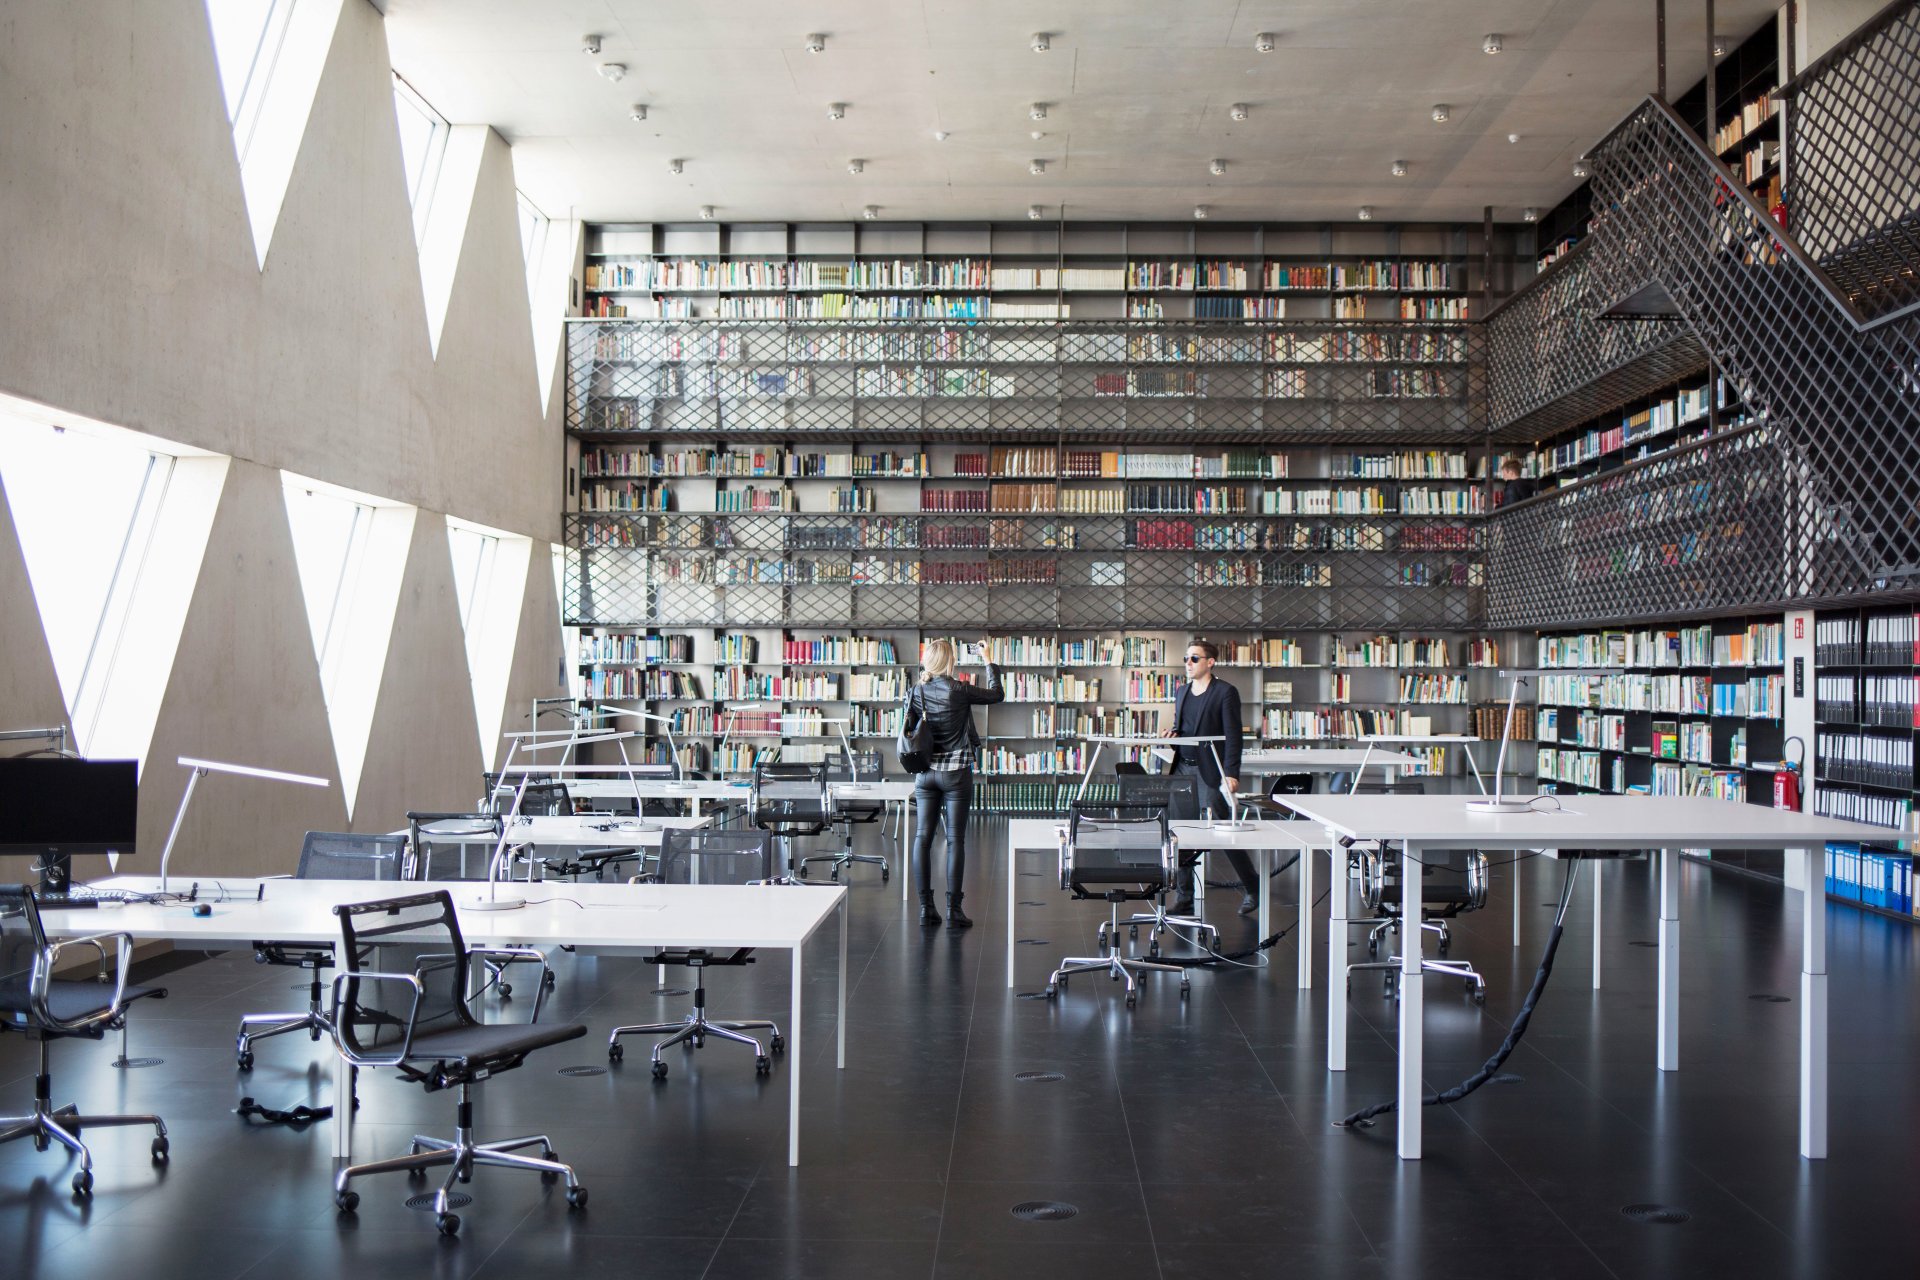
1663, 1215
137, 1062
1034, 874
1031, 995
455, 1200
1044, 1211
1507, 1077
1032, 902
1038, 1077
1767, 997
576, 1072
669, 991
1643, 944
1032, 942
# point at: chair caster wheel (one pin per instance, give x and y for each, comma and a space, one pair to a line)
416, 1175
547, 981
40, 1142
885, 875
1185, 991
83, 1183
313, 1034
244, 1060
449, 1224
576, 1197
615, 1052
547, 1175
506, 993
160, 1148
1479, 996
1133, 933
1053, 993
346, 1201
762, 1065
699, 1042
777, 1045
1061, 982
659, 1071
1131, 999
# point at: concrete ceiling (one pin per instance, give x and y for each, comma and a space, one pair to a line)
1137, 95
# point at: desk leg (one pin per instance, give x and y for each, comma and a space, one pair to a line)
841, 1020
905, 867
1412, 1006
1303, 922
1813, 1005
1513, 870
793, 1065
1667, 1045
1597, 895
1266, 894
342, 1080
1336, 955
1013, 901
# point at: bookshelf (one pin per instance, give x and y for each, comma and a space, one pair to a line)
1647, 426
1866, 712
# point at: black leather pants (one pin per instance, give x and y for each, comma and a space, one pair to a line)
941, 793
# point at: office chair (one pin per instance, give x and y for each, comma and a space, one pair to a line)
788, 800
441, 846
1120, 855
324, 855
706, 856
1283, 785
1123, 768
46, 1008
1451, 881
1178, 797
403, 1004
849, 813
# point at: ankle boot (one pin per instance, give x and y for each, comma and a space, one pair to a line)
928, 916
956, 918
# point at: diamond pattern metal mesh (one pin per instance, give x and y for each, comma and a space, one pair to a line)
1552, 361
1853, 192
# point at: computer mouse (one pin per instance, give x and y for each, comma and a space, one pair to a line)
202, 909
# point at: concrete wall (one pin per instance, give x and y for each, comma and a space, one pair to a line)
131, 293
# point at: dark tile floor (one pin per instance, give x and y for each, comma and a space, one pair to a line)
1192, 1137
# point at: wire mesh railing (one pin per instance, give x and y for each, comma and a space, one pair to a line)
1853, 181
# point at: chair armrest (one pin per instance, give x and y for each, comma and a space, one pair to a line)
406, 1043
519, 953
43, 974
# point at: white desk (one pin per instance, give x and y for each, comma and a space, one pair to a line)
1666, 823
1262, 838
608, 919
551, 831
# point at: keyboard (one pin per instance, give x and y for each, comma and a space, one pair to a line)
80, 898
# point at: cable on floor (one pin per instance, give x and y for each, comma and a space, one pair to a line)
1365, 1115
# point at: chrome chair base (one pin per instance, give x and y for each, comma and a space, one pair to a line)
696, 1027
1116, 966
48, 1125
1462, 969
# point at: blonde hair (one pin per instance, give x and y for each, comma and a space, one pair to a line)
938, 660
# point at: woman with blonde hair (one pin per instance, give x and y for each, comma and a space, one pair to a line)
945, 788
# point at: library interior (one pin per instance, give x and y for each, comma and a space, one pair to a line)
1010, 534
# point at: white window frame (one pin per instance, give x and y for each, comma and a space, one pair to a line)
244, 110
533, 239
421, 189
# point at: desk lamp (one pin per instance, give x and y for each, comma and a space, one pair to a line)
491, 899
673, 744
201, 768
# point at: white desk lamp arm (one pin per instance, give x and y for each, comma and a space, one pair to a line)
180, 816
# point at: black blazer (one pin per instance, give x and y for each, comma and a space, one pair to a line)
948, 705
1220, 716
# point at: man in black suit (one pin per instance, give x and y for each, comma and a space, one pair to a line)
1210, 708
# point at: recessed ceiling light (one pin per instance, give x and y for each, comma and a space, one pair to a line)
941, 135
614, 71
637, 112
1492, 44
1441, 113
706, 213
1513, 137
856, 166
836, 111
1035, 212
1721, 44
1200, 212
1040, 42
816, 43
1366, 213
1037, 167
1264, 42
1038, 111
1238, 111
1216, 167
1530, 214
676, 166
1037, 134
871, 212
1581, 170
1399, 168
590, 43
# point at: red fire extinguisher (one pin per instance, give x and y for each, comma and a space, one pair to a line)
1786, 781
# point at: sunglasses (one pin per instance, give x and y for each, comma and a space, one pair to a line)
1196, 657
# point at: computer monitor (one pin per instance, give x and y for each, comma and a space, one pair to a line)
52, 807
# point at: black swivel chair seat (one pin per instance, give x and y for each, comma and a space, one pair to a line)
402, 1003
1117, 854
47, 1009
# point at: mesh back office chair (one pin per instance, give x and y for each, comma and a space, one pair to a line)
457, 847
789, 799
45, 1008
1451, 881
705, 856
402, 1003
1120, 855
324, 855
850, 812
1176, 795
1280, 788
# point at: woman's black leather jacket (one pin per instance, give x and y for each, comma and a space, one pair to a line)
948, 705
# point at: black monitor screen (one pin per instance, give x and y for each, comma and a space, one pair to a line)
73, 806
